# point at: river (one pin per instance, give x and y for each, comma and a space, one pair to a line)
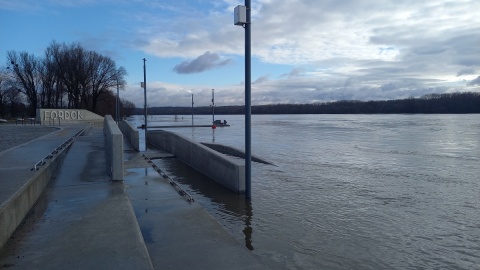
348, 191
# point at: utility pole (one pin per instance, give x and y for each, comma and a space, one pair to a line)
242, 17
192, 109
213, 106
145, 96
117, 104
248, 108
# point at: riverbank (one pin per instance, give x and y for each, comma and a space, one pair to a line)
84, 220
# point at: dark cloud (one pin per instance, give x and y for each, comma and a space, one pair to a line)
362, 52
202, 63
466, 71
475, 82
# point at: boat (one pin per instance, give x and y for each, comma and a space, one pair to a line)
220, 123
216, 123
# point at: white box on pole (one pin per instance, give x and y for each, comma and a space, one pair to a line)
240, 15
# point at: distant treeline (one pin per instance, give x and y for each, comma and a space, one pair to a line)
455, 103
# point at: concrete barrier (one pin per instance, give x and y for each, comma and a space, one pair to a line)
16, 208
232, 151
114, 148
131, 132
226, 170
67, 117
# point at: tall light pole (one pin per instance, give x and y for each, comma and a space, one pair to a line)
242, 16
117, 104
145, 96
213, 106
192, 109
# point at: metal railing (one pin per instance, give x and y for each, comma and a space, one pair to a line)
67, 143
179, 189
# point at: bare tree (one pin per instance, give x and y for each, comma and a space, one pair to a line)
71, 70
106, 103
80, 76
85, 75
48, 73
25, 70
104, 77
4, 85
128, 107
14, 100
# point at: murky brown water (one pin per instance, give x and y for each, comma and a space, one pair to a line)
350, 191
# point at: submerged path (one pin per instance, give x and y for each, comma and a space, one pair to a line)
85, 221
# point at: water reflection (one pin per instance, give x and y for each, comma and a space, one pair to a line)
248, 230
227, 206
363, 192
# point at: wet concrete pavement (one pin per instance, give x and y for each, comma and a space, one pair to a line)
82, 221
85, 221
179, 234
16, 163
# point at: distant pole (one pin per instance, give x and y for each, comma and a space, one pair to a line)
117, 104
248, 109
192, 109
213, 106
145, 96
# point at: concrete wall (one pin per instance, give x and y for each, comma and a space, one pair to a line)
131, 133
114, 148
226, 170
67, 116
16, 208
228, 150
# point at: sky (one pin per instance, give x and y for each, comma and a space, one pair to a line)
303, 51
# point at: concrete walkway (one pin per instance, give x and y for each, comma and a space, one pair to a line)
82, 221
179, 234
85, 221
15, 163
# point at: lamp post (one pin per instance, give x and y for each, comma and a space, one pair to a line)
242, 17
213, 106
117, 104
192, 109
145, 97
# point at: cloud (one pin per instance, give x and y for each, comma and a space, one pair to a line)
296, 72
340, 49
474, 82
261, 79
466, 71
419, 34
304, 89
202, 63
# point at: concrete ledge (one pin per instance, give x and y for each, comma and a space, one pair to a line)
131, 132
224, 169
232, 151
67, 117
17, 207
114, 148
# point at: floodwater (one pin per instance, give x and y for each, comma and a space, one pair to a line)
348, 191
